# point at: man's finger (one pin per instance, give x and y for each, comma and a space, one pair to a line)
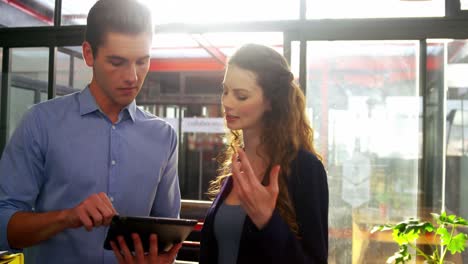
95, 214
105, 208
85, 219
105, 200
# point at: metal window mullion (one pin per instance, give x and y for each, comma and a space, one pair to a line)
58, 13
51, 80
303, 64
6, 64
424, 174
287, 47
71, 72
452, 8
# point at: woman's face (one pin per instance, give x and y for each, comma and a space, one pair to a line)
242, 99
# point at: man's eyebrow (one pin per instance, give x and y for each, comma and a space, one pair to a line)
145, 57
115, 57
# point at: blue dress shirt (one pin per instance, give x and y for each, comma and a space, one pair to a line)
66, 149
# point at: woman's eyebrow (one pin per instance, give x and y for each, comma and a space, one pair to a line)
234, 89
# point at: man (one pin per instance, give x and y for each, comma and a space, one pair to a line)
76, 161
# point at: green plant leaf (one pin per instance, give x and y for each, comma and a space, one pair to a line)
458, 243
381, 228
444, 235
449, 219
406, 233
401, 256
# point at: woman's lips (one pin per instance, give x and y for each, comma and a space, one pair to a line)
230, 118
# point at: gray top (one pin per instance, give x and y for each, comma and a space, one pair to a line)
228, 224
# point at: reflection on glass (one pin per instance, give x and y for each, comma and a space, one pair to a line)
364, 104
76, 12
374, 9
202, 11
26, 13
456, 188
72, 73
28, 82
62, 68
215, 45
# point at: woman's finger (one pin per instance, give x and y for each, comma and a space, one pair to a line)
153, 250
246, 167
124, 250
117, 253
273, 186
139, 252
238, 176
171, 254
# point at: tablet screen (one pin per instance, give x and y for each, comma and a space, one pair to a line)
170, 231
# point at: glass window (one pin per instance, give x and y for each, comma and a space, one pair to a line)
72, 73
62, 68
76, 12
456, 184
184, 87
364, 105
28, 82
464, 4
203, 11
374, 9
27, 13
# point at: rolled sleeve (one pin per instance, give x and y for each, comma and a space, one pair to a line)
20, 166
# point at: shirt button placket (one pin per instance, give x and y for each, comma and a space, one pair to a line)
112, 169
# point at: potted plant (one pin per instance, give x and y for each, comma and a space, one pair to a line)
446, 237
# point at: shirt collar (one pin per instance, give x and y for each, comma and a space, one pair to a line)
131, 109
88, 104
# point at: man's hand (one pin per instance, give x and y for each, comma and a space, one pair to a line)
96, 210
124, 256
27, 229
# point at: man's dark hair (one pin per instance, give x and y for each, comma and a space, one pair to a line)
119, 16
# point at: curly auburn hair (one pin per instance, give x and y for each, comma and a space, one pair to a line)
286, 127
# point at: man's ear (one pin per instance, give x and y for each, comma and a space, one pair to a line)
88, 53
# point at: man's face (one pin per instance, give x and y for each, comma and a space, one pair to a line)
119, 68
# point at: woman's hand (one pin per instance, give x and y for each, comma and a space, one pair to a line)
257, 200
124, 256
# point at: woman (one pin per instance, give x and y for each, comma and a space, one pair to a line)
271, 202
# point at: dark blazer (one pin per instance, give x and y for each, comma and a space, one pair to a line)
275, 243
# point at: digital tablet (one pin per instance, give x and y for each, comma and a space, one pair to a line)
170, 231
